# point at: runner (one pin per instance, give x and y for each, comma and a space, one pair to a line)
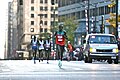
34, 43
47, 45
60, 36
40, 49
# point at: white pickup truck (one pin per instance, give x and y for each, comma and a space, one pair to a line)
100, 47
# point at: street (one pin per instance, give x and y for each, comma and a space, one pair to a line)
73, 70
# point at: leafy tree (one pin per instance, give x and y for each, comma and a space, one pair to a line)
112, 20
70, 25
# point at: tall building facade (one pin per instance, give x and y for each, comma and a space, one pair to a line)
34, 18
98, 9
12, 30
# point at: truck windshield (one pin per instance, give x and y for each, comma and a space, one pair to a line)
104, 39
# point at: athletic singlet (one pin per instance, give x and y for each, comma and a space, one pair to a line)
60, 39
34, 44
47, 45
41, 45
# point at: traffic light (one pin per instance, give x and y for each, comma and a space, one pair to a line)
52, 2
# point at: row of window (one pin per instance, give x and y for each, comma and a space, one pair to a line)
93, 12
45, 8
41, 30
69, 2
44, 1
44, 23
46, 15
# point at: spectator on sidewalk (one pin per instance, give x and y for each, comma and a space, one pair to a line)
70, 51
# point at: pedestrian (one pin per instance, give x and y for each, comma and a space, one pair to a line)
47, 46
41, 48
34, 44
60, 36
70, 51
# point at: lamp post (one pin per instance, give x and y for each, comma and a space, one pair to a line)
87, 14
53, 3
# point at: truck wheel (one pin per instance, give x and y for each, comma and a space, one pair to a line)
116, 61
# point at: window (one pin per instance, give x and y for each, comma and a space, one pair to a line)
32, 8
32, 22
32, 15
41, 8
46, 8
45, 29
21, 2
56, 8
52, 8
46, 1
41, 1
52, 23
32, 1
41, 29
45, 23
45, 15
52, 15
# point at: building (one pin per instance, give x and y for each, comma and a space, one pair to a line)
12, 30
34, 18
99, 12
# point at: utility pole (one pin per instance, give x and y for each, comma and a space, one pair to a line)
88, 15
53, 3
116, 19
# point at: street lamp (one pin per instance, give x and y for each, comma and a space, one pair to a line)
53, 3
87, 14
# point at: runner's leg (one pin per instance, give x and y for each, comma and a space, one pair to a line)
48, 53
60, 56
35, 51
62, 50
39, 55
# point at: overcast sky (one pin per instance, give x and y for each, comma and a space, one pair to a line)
3, 24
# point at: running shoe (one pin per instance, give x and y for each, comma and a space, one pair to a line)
47, 62
60, 63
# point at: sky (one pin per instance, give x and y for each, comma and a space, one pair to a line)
3, 24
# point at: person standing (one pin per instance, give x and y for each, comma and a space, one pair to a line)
60, 36
40, 48
70, 51
47, 45
34, 44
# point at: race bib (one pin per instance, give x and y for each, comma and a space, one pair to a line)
60, 38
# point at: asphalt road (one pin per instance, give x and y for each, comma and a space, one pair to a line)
73, 70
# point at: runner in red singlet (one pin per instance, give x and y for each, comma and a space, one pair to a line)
60, 36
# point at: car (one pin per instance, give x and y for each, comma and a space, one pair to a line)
100, 47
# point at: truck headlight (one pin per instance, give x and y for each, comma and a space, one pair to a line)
92, 50
115, 50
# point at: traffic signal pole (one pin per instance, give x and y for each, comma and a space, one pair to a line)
116, 19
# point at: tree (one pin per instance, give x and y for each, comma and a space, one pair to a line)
70, 25
112, 20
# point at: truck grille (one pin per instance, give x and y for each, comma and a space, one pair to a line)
104, 50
